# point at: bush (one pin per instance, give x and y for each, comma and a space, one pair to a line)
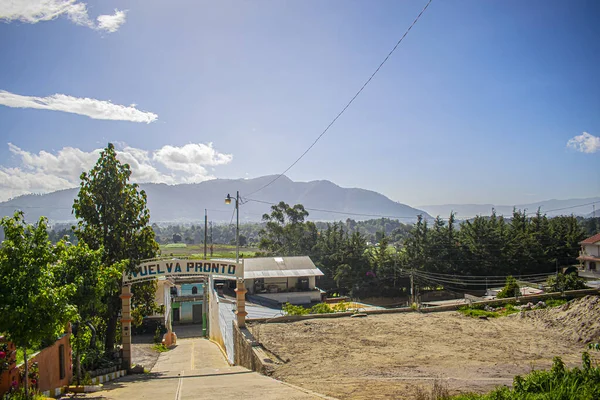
510, 289
557, 383
291, 309
561, 282
321, 308
342, 306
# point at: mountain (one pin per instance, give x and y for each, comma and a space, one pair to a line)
186, 202
581, 207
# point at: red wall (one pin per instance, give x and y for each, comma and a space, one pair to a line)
48, 364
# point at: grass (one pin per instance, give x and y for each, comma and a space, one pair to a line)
175, 246
477, 311
161, 348
559, 383
555, 302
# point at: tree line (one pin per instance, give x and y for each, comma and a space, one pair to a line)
483, 246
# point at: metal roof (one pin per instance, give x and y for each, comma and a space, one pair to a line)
280, 267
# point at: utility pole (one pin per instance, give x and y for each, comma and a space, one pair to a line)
412, 288
205, 231
211, 240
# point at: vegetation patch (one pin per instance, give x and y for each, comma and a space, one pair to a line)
321, 308
557, 383
479, 310
175, 246
161, 348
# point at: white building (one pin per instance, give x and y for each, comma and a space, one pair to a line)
283, 279
590, 255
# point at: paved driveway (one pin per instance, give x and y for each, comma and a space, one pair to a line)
196, 369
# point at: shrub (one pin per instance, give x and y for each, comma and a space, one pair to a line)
510, 289
557, 383
561, 282
321, 308
291, 309
341, 307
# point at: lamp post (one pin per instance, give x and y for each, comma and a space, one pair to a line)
237, 223
240, 290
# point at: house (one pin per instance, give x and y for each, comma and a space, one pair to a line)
589, 256
182, 298
282, 279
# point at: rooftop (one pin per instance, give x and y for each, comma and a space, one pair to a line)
591, 240
276, 267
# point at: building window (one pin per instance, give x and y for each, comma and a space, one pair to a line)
194, 290
592, 265
174, 291
61, 361
259, 285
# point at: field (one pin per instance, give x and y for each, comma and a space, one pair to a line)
197, 251
387, 356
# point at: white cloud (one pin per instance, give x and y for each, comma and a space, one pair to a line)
191, 158
96, 109
34, 11
111, 23
585, 143
47, 172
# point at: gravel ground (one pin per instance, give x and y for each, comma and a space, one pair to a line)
142, 352
387, 356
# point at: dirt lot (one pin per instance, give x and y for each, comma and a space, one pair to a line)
386, 356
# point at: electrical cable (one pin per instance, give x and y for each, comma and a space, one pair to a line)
348, 104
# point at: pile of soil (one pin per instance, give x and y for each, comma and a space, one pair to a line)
577, 320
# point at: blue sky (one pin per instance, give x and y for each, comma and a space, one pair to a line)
477, 105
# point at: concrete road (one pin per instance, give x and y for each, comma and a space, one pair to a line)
196, 369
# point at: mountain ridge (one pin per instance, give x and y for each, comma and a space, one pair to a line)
552, 207
186, 202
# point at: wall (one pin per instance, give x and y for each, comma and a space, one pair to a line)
48, 365
214, 328
186, 289
186, 311
592, 250
293, 297
8, 376
245, 347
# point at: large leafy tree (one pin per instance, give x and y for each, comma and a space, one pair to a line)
113, 216
286, 233
34, 304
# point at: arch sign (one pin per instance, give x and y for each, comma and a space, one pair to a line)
174, 267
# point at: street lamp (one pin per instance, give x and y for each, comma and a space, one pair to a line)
237, 223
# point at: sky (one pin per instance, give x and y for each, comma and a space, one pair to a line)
483, 102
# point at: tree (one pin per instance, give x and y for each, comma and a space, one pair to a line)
113, 216
286, 233
83, 268
562, 282
33, 303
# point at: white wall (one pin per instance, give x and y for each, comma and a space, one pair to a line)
293, 297
592, 250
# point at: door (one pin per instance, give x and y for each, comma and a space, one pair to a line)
176, 315
197, 313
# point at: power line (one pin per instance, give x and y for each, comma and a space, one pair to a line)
349, 103
402, 217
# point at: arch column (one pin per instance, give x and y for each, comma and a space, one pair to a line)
240, 297
126, 325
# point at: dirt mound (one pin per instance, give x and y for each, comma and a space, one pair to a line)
578, 320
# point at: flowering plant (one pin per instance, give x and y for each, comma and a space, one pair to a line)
33, 375
5, 358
